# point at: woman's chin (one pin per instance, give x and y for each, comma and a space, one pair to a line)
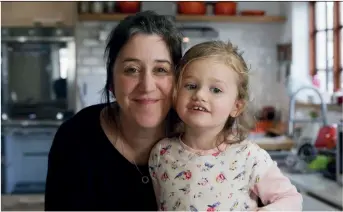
149, 121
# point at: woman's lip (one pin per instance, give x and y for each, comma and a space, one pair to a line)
146, 101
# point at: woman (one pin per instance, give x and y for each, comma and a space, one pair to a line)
98, 159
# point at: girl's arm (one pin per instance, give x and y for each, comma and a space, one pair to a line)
276, 192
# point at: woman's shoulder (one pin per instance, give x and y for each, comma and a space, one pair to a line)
86, 116
82, 124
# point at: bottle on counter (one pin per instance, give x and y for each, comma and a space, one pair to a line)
98, 7
109, 7
84, 7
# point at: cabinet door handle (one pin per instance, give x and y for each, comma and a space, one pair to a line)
36, 154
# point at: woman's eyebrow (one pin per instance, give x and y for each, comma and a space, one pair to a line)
131, 59
163, 61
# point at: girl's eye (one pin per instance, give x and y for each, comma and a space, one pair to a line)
190, 86
215, 90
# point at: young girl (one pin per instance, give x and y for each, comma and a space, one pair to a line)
211, 166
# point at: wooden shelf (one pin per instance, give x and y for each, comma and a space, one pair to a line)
244, 19
188, 18
329, 107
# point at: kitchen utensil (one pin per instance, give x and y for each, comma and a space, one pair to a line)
319, 163
307, 152
225, 8
268, 113
326, 137
263, 126
84, 7
192, 8
98, 7
284, 55
109, 6
296, 165
128, 6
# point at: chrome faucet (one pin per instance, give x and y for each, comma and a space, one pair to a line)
291, 115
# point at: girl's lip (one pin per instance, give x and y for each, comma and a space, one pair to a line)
191, 107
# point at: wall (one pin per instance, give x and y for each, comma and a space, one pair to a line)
257, 41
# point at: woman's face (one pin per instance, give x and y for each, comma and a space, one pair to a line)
143, 80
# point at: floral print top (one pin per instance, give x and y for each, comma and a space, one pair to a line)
221, 179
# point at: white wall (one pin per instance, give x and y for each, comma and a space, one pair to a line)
258, 41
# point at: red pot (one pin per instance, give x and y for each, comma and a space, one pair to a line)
326, 137
128, 6
225, 8
192, 8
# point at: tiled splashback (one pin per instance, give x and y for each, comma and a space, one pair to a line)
257, 41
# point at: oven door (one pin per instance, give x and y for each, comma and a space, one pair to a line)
35, 79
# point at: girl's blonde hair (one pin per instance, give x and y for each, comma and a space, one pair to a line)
227, 53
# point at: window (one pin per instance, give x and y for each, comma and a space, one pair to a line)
326, 57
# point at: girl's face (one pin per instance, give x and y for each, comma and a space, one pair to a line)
207, 94
143, 79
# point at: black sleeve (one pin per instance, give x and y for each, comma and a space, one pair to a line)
60, 189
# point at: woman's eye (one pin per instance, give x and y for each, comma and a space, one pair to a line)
161, 71
215, 90
190, 86
131, 70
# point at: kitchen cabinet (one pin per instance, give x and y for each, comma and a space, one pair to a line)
26, 158
48, 13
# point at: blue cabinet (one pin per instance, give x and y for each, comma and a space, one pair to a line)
25, 158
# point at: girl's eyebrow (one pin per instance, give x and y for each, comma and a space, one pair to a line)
216, 80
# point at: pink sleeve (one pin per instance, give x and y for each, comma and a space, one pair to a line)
276, 192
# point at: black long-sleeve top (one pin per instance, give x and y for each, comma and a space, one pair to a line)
86, 172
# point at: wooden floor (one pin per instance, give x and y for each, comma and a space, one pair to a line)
22, 203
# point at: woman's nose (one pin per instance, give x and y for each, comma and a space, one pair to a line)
147, 83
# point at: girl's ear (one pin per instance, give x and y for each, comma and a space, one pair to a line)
238, 108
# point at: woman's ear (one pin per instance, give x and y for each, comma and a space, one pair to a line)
238, 108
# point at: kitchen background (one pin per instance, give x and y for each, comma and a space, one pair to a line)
60, 46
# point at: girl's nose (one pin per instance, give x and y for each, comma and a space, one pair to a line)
199, 95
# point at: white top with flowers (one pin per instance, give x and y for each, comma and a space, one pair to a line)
221, 179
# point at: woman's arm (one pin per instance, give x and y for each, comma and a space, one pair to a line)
276, 192
60, 186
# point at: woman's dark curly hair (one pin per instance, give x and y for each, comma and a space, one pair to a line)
147, 22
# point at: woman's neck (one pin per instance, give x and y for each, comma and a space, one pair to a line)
201, 139
138, 141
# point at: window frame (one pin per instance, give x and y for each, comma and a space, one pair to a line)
337, 30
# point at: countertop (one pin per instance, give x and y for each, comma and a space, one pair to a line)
36, 203
312, 204
316, 185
